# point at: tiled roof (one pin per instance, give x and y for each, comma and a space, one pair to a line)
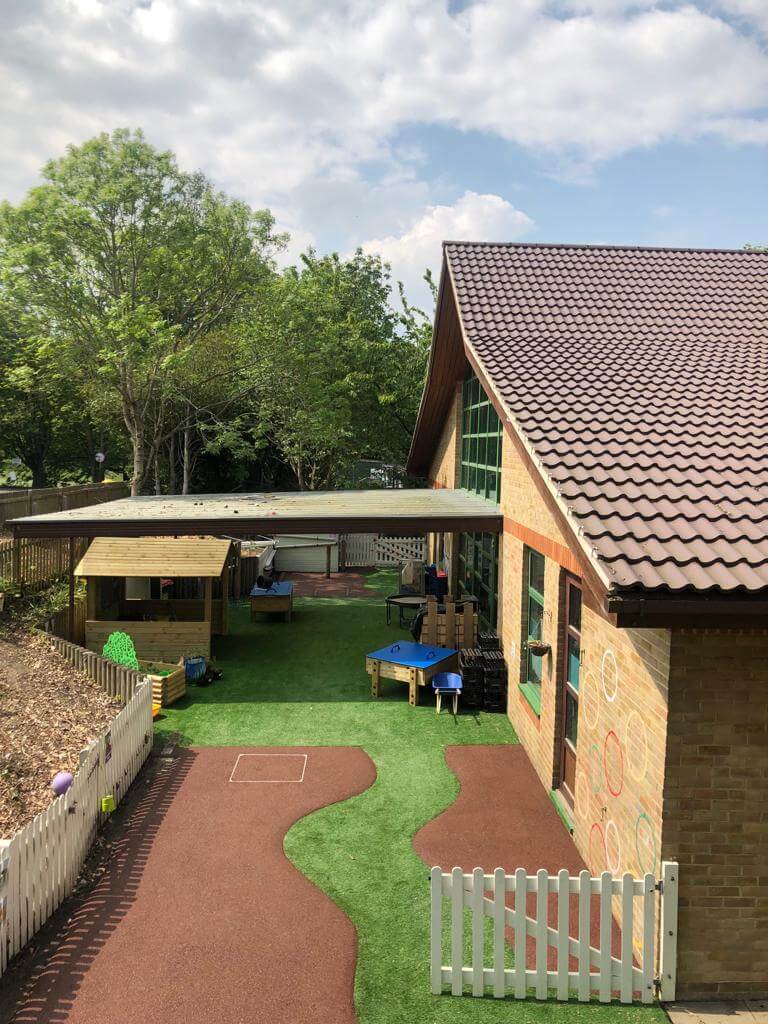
640, 379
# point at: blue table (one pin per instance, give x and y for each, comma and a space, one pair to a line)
410, 663
277, 598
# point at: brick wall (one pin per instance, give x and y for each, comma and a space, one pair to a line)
444, 471
716, 810
617, 811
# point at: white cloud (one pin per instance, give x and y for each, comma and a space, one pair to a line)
298, 104
473, 217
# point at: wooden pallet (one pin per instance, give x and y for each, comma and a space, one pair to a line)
451, 628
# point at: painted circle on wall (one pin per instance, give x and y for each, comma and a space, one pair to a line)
596, 849
582, 795
610, 674
595, 769
613, 764
612, 847
636, 746
645, 843
589, 700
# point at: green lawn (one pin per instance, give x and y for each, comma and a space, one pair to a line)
305, 683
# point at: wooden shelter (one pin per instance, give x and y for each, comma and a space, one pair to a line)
170, 594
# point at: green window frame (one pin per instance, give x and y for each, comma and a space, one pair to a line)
534, 624
481, 435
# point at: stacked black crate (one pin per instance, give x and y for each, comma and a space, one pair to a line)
494, 681
488, 641
471, 666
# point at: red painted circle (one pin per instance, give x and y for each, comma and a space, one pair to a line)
614, 773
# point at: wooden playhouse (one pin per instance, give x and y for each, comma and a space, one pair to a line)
170, 594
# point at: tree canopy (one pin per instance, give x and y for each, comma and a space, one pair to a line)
142, 313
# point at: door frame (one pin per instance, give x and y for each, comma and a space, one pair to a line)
570, 583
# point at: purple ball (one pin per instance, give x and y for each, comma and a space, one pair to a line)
61, 782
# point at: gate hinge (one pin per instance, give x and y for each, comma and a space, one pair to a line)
659, 887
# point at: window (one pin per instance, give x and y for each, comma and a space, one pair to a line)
480, 442
478, 573
534, 625
480, 473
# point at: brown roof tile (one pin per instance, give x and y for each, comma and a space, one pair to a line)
640, 379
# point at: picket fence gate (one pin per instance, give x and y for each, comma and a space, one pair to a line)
40, 865
631, 975
369, 549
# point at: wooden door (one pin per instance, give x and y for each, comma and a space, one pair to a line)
571, 665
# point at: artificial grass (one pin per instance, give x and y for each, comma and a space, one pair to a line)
305, 683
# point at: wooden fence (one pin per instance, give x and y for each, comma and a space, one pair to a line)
32, 562
39, 500
521, 903
369, 549
39, 866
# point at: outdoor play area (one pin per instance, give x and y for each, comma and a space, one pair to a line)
273, 862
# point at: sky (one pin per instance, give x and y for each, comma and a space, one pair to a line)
396, 124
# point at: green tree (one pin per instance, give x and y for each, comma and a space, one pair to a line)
331, 373
129, 262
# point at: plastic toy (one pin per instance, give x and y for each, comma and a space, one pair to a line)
61, 782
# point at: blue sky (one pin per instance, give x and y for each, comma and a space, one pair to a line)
393, 124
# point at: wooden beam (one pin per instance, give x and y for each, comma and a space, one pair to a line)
208, 601
225, 600
71, 614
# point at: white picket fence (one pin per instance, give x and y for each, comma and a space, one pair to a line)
631, 974
39, 866
370, 549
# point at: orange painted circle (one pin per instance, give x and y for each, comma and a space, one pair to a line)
613, 764
596, 849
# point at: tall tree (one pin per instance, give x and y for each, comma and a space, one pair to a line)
130, 262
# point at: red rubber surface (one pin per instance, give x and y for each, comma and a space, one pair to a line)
200, 916
503, 817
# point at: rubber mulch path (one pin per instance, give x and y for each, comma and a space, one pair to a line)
200, 916
503, 817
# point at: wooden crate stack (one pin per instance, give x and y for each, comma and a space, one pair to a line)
454, 627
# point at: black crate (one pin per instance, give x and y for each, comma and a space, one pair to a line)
489, 641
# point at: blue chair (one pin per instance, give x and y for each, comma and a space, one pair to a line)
448, 684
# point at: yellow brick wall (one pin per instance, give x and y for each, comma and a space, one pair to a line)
623, 694
444, 472
716, 810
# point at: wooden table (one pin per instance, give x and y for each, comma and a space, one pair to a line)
277, 598
410, 663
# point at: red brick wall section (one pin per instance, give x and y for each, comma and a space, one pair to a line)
716, 810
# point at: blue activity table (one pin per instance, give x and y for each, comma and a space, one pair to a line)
410, 663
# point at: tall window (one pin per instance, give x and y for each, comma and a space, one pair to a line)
478, 573
481, 474
571, 668
480, 442
534, 595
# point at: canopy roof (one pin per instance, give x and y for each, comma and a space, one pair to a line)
394, 511
154, 556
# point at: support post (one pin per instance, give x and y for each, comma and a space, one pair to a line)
225, 599
668, 944
71, 615
208, 602
327, 561
16, 571
238, 588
